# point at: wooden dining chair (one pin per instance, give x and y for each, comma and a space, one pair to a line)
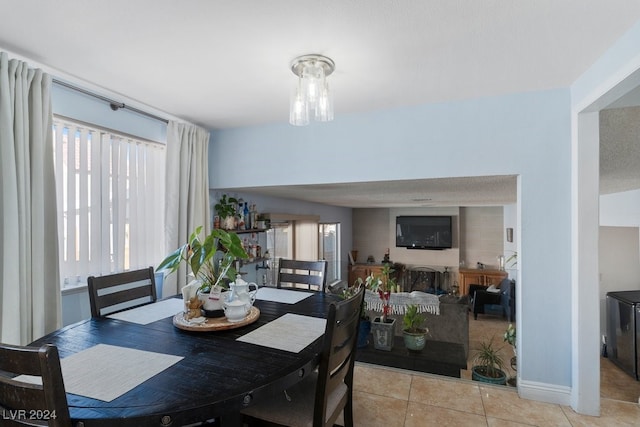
320, 398
116, 292
302, 274
28, 403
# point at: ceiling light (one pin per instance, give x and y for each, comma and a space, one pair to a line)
311, 95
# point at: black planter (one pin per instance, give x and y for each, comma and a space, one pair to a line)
363, 333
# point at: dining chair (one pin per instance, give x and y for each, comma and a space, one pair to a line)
320, 398
306, 274
116, 292
29, 403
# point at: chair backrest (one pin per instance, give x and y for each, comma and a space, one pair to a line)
23, 402
121, 291
302, 274
334, 390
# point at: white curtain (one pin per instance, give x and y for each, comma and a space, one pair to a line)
30, 288
187, 192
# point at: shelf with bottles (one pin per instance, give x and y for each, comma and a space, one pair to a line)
255, 260
249, 231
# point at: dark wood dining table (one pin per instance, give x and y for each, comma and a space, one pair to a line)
217, 376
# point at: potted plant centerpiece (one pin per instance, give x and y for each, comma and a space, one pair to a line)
488, 365
226, 210
383, 327
413, 333
211, 262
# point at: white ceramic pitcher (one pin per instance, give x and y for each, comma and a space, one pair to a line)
242, 291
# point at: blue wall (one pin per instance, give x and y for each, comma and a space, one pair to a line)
75, 105
526, 134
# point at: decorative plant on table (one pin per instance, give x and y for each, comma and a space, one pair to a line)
488, 365
210, 260
413, 331
226, 210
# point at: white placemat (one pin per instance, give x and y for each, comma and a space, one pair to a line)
105, 372
291, 332
281, 295
151, 312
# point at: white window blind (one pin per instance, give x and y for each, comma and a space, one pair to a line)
110, 193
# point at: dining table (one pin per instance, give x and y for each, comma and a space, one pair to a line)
134, 369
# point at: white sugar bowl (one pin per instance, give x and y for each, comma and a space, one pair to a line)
236, 310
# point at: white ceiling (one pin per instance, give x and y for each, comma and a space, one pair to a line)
224, 64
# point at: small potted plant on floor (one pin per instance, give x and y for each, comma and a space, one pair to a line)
383, 327
413, 333
210, 260
510, 337
488, 365
226, 210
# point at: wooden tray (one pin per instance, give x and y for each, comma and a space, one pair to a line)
215, 324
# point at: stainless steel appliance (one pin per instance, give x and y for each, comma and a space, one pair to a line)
623, 330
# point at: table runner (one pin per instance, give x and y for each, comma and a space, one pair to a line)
105, 372
398, 301
291, 332
281, 295
151, 312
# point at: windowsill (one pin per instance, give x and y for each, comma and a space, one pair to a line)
76, 288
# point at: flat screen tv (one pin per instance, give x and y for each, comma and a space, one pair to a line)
423, 232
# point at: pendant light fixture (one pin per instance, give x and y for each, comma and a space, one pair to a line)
311, 97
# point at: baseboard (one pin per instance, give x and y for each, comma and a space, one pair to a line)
542, 392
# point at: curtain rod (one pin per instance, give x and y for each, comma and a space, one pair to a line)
115, 106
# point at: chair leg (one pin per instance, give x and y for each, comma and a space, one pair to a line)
347, 414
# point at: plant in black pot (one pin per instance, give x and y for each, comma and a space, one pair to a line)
488, 365
413, 332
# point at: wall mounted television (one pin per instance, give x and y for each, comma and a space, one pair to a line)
424, 232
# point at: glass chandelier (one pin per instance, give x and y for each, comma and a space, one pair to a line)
311, 95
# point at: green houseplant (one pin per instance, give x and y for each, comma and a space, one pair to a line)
510, 337
210, 260
383, 327
226, 210
488, 365
413, 332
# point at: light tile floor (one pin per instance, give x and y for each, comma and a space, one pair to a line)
388, 397
392, 397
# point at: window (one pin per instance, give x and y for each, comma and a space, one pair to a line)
110, 194
329, 249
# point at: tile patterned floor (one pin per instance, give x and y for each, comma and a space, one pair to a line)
392, 397
388, 397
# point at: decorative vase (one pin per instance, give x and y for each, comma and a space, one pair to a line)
363, 333
383, 333
414, 340
229, 223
